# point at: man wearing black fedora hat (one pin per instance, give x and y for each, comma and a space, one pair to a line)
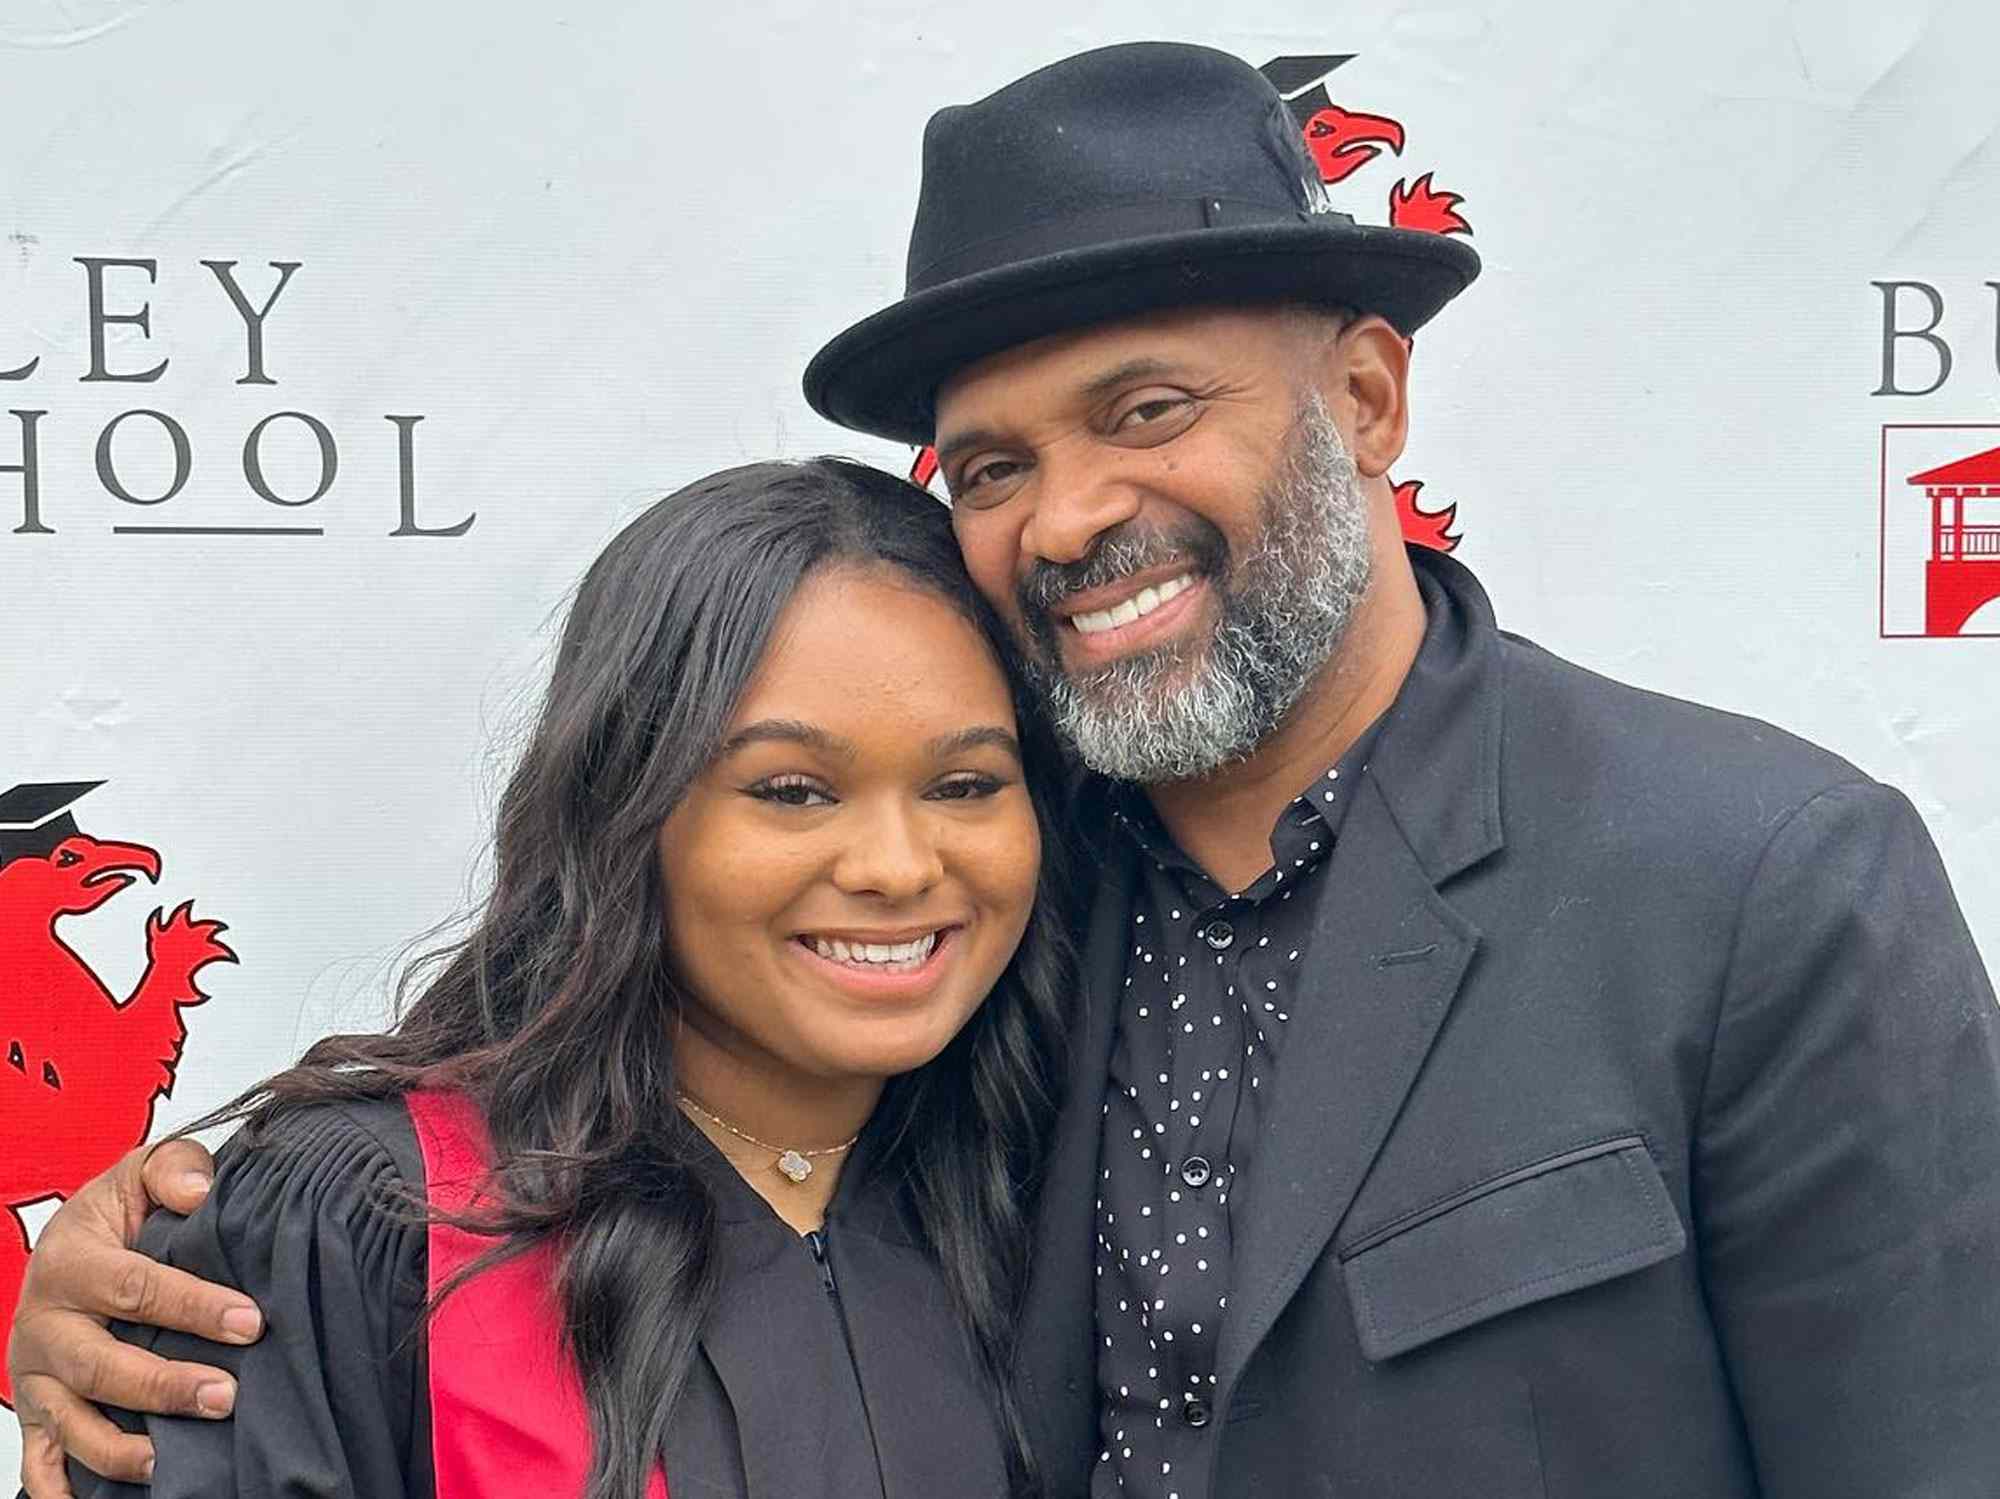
1491, 1080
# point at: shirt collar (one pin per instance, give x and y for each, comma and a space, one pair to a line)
1302, 836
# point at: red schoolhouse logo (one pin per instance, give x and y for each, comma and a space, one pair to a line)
1940, 531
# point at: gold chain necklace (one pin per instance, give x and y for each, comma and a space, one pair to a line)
796, 1165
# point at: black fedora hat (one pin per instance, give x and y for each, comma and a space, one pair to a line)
1109, 184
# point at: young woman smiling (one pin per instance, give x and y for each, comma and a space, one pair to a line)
709, 1149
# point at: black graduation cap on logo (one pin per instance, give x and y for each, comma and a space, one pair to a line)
1301, 80
34, 818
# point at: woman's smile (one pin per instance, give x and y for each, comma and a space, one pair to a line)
878, 966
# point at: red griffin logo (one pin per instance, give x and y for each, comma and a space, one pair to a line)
1343, 141
82, 1067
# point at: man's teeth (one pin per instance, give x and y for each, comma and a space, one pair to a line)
891, 956
1141, 604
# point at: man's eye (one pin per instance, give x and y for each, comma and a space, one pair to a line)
790, 791
976, 475
1148, 412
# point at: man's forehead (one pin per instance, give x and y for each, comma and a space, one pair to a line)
1085, 364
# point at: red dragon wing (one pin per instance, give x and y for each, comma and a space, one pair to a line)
1430, 528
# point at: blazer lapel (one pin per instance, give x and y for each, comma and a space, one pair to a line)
1386, 959
1387, 955
1058, 1320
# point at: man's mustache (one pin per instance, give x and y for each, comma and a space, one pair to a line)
1127, 548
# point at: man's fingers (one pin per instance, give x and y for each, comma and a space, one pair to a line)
157, 1295
104, 1281
178, 1174
92, 1365
42, 1475
62, 1422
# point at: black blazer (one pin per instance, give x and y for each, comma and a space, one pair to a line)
1637, 1136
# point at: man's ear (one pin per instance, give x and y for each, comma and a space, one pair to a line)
1374, 376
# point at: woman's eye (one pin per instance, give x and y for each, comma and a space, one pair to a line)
790, 791
967, 788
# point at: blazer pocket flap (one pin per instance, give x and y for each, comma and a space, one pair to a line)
1587, 1216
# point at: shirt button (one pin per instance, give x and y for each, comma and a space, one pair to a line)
1218, 934
1195, 1171
1194, 1411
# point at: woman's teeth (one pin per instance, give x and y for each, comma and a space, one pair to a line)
1141, 604
890, 956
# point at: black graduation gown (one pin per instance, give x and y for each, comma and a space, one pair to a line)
871, 1390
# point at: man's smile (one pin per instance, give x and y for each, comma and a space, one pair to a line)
1135, 605
1133, 615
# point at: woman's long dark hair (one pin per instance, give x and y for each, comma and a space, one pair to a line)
555, 1010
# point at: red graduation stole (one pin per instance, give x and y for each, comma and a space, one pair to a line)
507, 1411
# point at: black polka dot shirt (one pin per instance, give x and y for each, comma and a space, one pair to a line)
1209, 982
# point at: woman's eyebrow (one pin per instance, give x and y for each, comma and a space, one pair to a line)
812, 736
956, 743
787, 731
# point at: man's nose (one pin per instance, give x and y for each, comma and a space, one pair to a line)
893, 854
1074, 507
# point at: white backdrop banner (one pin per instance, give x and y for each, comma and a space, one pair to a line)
335, 341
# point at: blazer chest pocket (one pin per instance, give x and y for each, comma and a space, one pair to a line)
1588, 1215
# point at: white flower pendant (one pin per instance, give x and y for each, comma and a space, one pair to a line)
794, 1165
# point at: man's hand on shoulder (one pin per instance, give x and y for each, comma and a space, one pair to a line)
83, 1273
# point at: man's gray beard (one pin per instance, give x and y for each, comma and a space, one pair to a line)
1189, 709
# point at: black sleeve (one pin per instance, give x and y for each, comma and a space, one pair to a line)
1848, 1174
332, 1399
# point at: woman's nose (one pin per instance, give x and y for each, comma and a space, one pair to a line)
893, 854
